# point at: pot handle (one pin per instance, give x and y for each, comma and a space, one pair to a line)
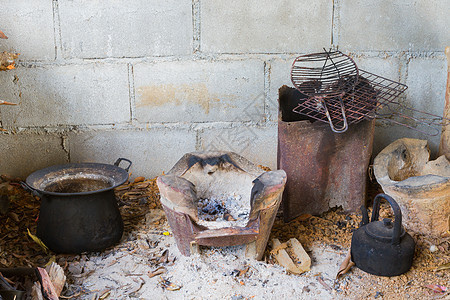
30, 189
119, 160
397, 214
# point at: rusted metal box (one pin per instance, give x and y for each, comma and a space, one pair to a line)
324, 169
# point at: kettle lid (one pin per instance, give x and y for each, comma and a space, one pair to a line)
382, 230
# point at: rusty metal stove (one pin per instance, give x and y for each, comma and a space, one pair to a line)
325, 169
201, 176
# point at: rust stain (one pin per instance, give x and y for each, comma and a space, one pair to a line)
162, 94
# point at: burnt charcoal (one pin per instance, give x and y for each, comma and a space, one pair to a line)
345, 83
341, 224
243, 215
310, 87
211, 161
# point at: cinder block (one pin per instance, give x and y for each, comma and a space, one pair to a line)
199, 91
386, 67
265, 26
257, 144
426, 92
29, 27
386, 134
385, 25
126, 28
426, 84
151, 151
24, 153
66, 95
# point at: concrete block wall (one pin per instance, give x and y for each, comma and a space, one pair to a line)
152, 80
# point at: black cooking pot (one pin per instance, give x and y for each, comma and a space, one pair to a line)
78, 210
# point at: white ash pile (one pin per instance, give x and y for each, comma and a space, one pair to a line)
223, 211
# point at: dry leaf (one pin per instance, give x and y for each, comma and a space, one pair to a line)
158, 271
345, 266
139, 179
304, 217
243, 271
2, 35
105, 295
38, 241
437, 288
166, 284
164, 257
443, 267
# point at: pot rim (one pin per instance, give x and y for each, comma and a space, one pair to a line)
116, 174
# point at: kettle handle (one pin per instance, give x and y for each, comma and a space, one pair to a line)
397, 213
365, 216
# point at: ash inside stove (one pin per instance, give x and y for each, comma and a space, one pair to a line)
216, 212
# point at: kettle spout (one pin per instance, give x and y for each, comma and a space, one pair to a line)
365, 216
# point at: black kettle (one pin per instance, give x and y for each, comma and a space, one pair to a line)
382, 247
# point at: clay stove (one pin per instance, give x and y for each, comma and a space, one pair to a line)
220, 199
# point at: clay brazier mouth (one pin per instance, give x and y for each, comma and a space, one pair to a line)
405, 160
216, 199
421, 187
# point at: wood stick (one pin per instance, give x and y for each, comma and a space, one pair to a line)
444, 147
3, 102
19, 271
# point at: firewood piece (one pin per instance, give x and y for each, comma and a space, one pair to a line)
48, 290
57, 277
444, 146
283, 258
301, 257
299, 263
